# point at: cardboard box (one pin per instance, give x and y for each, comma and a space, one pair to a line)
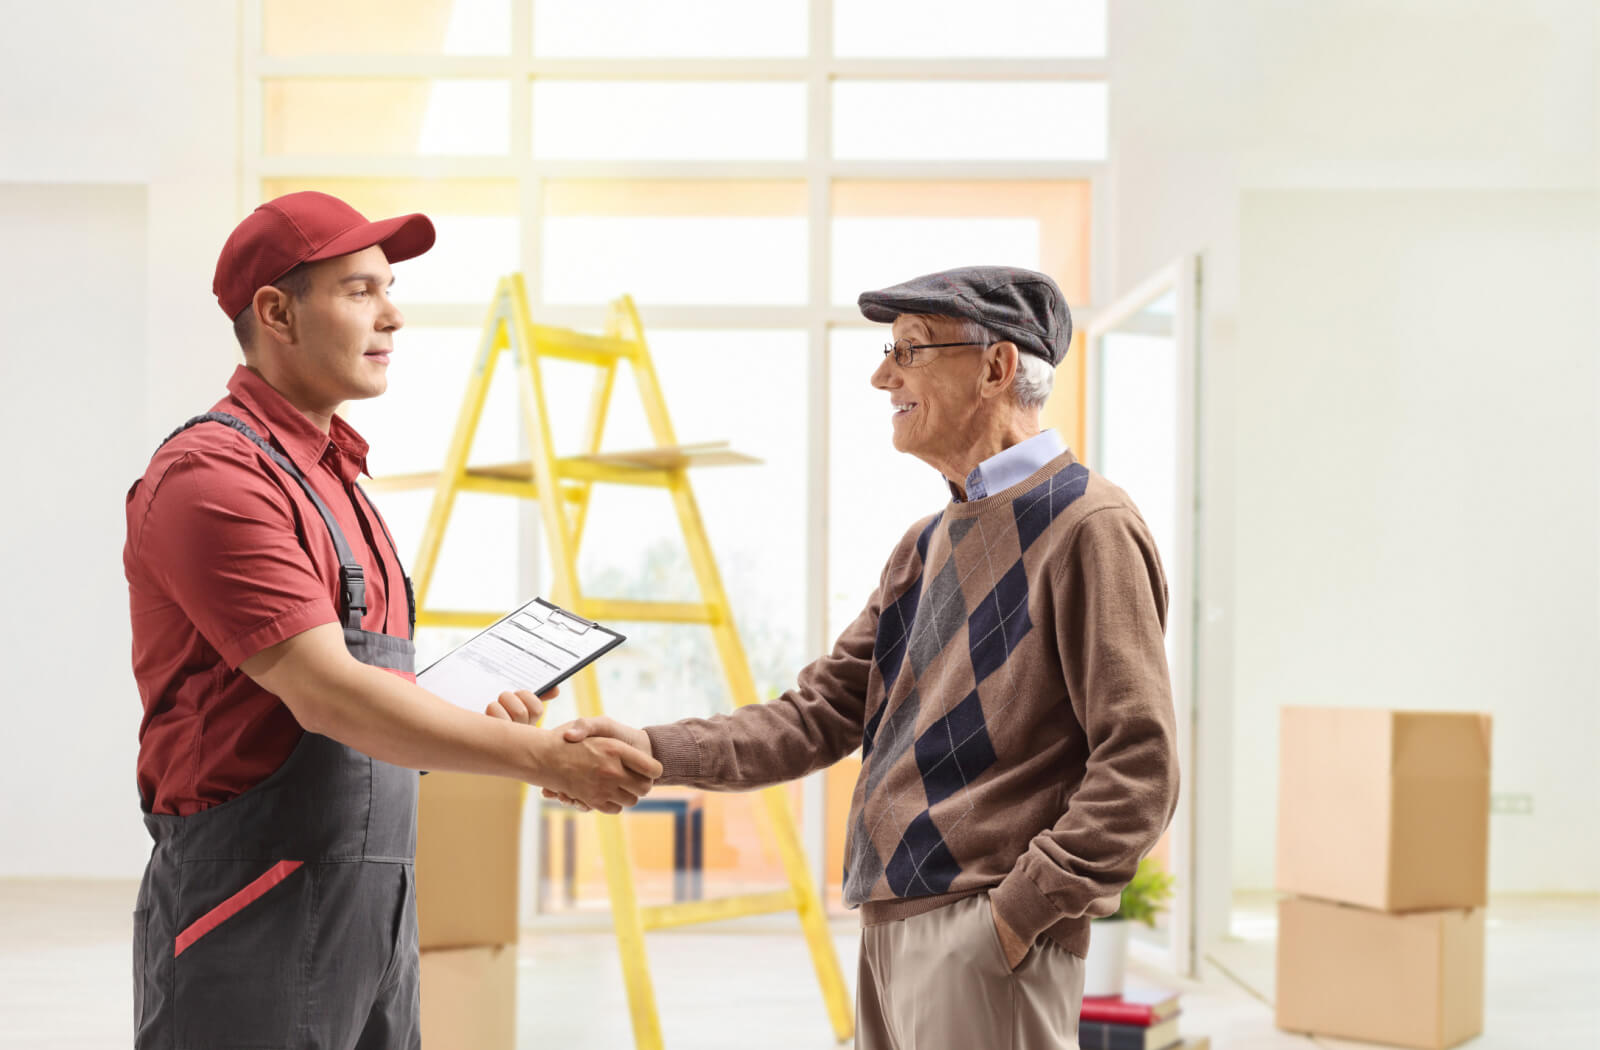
1386, 809
469, 998
1410, 980
468, 851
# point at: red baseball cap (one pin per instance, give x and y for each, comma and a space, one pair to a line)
304, 227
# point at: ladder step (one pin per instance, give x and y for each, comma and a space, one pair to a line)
426, 479
582, 347
456, 618
585, 468
608, 610
689, 913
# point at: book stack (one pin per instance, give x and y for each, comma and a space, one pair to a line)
1143, 1017
1383, 831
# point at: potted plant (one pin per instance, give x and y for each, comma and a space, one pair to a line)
1142, 900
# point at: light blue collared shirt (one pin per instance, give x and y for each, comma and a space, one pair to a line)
1009, 466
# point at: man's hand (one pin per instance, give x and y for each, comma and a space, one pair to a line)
1012, 946
598, 770
521, 705
600, 728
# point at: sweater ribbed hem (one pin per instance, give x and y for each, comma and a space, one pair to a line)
675, 748
1071, 934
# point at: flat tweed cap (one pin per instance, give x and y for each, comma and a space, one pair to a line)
1021, 305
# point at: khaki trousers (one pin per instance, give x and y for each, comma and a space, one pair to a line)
938, 981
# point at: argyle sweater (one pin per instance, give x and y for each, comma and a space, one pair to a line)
1007, 685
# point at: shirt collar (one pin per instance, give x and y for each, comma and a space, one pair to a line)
1009, 466
305, 445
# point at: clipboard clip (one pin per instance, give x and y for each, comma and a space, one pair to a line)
578, 625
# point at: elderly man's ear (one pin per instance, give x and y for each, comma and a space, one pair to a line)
999, 369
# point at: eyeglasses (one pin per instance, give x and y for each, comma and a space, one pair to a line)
904, 351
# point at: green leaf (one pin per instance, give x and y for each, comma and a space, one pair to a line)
1147, 895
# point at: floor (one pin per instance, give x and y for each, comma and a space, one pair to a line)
65, 985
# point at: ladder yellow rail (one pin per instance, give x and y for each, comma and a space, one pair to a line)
562, 486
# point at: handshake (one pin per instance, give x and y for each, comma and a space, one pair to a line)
590, 763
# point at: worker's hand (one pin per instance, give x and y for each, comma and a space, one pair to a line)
594, 728
521, 705
598, 772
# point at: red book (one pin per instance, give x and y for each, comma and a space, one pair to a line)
1142, 1005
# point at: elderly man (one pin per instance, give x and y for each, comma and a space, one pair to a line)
1006, 683
272, 647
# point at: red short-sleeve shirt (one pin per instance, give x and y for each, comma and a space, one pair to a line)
226, 556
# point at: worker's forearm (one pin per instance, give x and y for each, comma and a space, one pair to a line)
391, 719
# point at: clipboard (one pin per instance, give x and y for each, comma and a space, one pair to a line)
537, 647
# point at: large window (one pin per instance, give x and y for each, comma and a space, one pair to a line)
744, 171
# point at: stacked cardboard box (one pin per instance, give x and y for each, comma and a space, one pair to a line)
1383, 841
468, 848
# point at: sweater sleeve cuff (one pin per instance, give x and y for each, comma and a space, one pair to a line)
675, 748
1023, 907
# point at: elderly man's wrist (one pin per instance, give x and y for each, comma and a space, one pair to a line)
1013, 946
1023, 909
674, 746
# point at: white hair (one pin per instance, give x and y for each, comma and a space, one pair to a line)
1035, 376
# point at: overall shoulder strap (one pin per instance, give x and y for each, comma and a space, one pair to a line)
411, 597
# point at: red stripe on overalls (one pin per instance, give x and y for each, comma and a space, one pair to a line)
233, 905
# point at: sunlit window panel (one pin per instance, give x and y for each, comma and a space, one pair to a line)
669, 28
1139, 428
875, 493
668, 120
410, 425
1003, 120
675, 242
718, 386
381, 197
386, 27
955, 29
885, 232
479, 234
477, 568
388, 117
873, 253
470, 256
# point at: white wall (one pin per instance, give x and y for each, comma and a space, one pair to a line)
73, 317
109, 338
1396, 203
1416, 488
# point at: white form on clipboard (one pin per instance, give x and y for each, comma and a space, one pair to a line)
535, 647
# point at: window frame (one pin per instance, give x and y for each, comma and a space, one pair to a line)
818, 70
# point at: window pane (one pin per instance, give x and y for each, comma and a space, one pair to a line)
477, 567
668, 241
386, 27
874, 492
885, 232
389, 116
668, 120
410, 425
479, 234
875, 253
969, 120
951, 28
668, 28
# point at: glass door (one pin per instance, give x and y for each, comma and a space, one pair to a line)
1143, 434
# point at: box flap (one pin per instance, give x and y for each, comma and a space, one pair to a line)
1444, 744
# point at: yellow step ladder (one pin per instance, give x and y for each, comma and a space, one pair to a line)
563, 486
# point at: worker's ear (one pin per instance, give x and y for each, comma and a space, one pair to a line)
275, 314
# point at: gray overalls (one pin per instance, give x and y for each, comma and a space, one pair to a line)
286, 916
